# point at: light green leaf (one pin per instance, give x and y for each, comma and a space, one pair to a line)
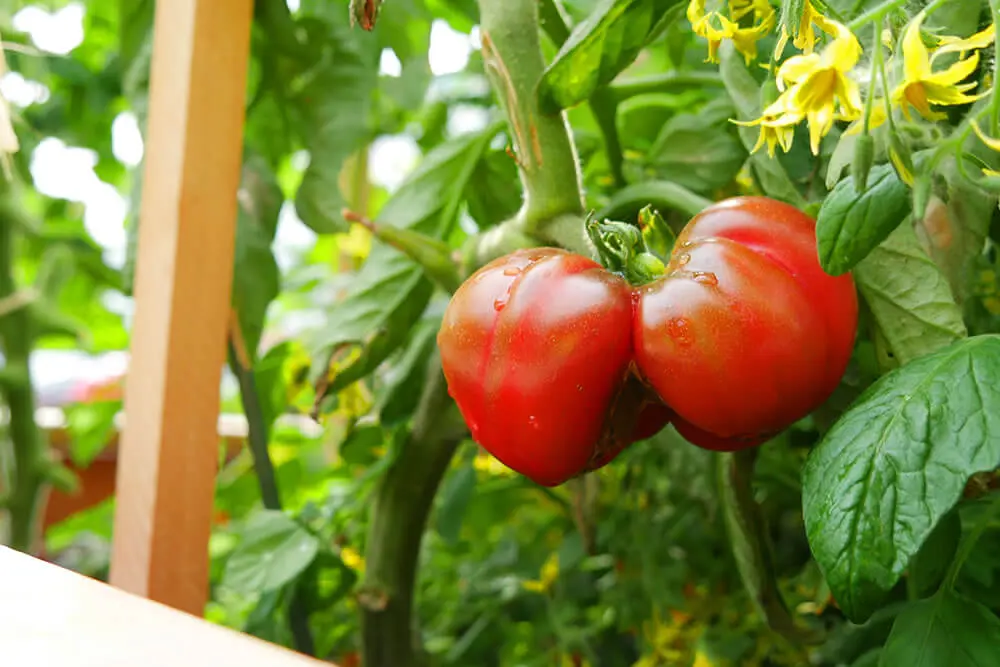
946, 629
390, 292
851, 224
601, 47
895, 463
909, 297
273, 551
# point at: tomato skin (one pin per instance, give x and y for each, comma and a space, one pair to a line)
746, 333
535, 347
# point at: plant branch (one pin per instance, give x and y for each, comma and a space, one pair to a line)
751, 544
28, 483
603, 104
403, 501
544, 147
257, 436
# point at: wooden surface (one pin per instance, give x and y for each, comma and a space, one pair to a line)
193, 152
51, 617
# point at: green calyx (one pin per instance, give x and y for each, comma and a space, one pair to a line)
622, 249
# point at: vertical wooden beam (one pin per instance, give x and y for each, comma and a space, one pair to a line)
166, 475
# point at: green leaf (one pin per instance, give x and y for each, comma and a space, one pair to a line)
90, 427
699, 150
929, 565
494, 193
255, 271
269, 378
456, 495
744, 91
406, 376
851, 224
895, 463
909, 297
334, 110
946, 629
273, 551
390, 292
601, 47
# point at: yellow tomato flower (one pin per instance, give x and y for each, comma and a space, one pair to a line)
350, 557
715, 27
546, 577
804, 38
922, 86
814, 86
776, 129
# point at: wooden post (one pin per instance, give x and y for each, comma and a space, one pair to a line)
166, 476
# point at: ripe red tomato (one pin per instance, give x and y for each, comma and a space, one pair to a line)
536, 347
745, 333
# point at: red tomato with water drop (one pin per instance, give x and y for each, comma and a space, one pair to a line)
537, 350
745, 334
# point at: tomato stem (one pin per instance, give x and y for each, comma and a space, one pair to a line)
543, 145
622, 250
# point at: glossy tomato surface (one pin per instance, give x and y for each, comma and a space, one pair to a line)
746, 333
535, 347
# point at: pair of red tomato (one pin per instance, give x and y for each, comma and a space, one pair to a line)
558, 364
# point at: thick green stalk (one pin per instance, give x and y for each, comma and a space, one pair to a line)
28, 482
544, 148
403, 502
751, 544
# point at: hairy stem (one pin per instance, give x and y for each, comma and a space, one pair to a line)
751, 544
257, 437
542, 143
28, 483
402, 504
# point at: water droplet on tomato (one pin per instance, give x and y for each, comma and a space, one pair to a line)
512, 270
498, 304
683, 259
687, 244
579, 387
706, 278
535, 256
680, 330
532, 422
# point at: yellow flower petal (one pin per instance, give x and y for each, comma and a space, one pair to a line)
916, 57
957, 72
993, 144
982, 39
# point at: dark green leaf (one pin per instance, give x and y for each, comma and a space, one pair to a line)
944, 630
744, 91
601, 47
273, 551
909, 297
699, 150
255, 272
334, 110
851, 224
895, 463
455, 497
928, 566
406, 376
494, 193
390, 292
359, 447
